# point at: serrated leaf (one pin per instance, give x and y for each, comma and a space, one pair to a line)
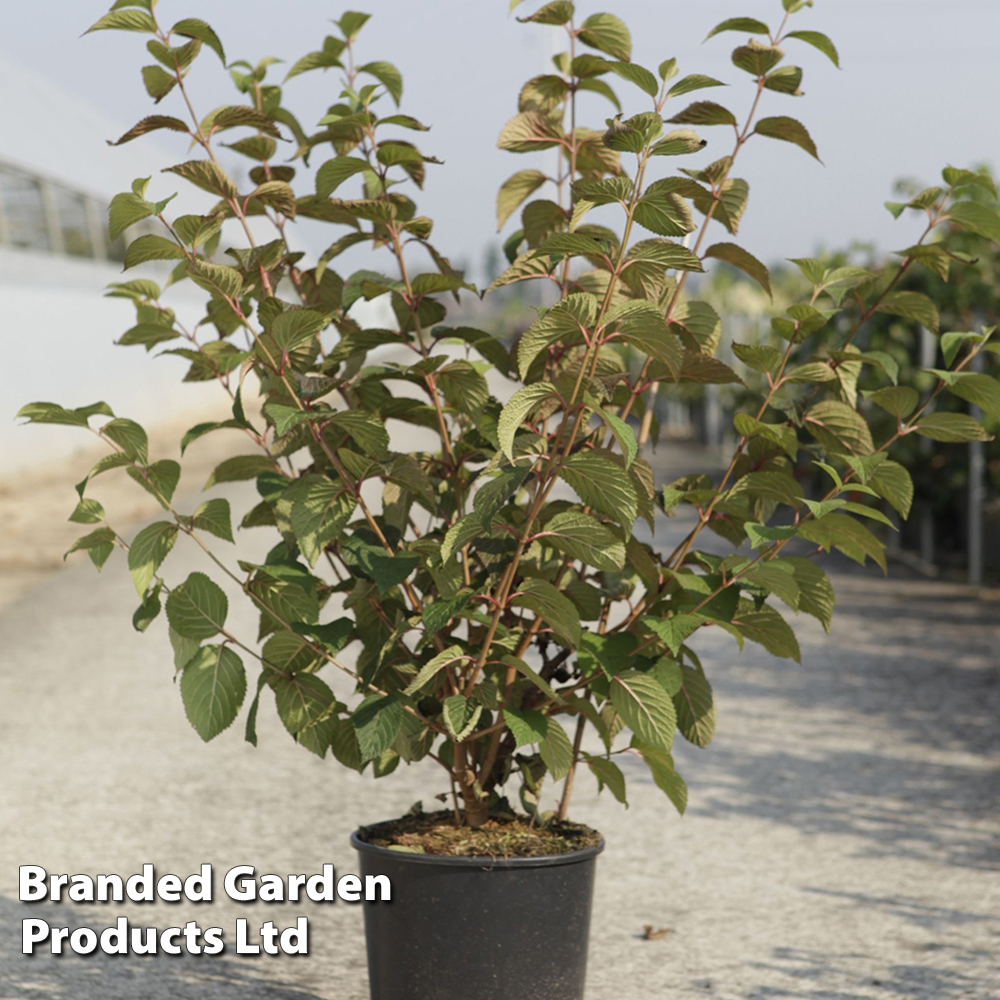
695, 705
430, 670
518, 408
602, 484
911, 305
645, 707
192, 27
304, 704
819, 41
388, 76
746, 262
609, 775
840, 428
527, 725
124, 20
787, 130
556, 610
556, 751
952, 427
151, 247
515, 190
893, 483
607, 33
376, 723
530, 130
749, 24
766, 627
661, 767
213, 686
197, 609
704, 113
584, 537
148, 550
460, 716
215, 517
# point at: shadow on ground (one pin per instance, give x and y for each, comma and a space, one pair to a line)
122, 977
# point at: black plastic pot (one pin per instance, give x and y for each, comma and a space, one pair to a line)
479, 928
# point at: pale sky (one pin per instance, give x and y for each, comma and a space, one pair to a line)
918, 89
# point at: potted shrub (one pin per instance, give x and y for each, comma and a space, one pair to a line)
492, 590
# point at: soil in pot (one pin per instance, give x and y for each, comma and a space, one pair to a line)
501, 913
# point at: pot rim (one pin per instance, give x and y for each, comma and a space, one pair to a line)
482, 862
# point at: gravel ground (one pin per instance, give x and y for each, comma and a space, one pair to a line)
842, 841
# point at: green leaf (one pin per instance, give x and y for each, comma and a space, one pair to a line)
623, 434
607, 33
695, 81
207, 175
226, 282
305, 704
99, 545
757, 59
124, 20
952, 427
351, 22
695, 706
527, 725
87, 512
787, 130
334, 172
899, 400
766, 627
983, 220
159, 480
525, 671
565, 322
704, 113
819, 41
158, 82
638, 75
151, 247
130, 437
530, 130
980, 390
584, 537
746, 262
238, 468
430, 670
191, 27
602, 484
372, 561
148, 611
388, 76
214, 517
148, 550
840, 428
515, 190
558, 611
663, 211
645, 707
608, 774
816, 596
460, 716
197, 609
661, 767
377, 723
749, 24
213, 686
518, 408
493, 495
893, 484
642, 325
556, 751
555, 12
911, 305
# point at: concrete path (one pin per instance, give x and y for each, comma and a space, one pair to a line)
843, 839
